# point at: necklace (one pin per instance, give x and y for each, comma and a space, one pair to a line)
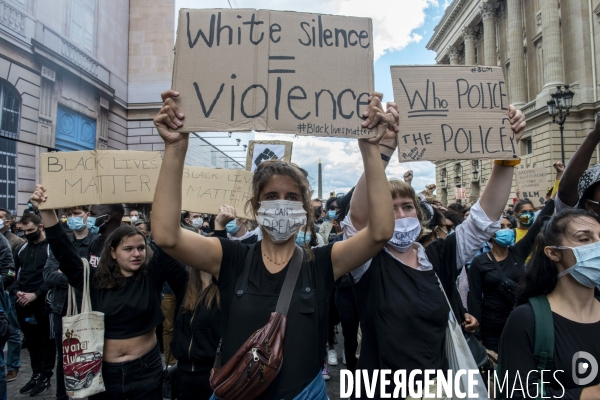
275, 262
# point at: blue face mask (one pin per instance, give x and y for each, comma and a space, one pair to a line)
76, 224
332, 214
504, 237
232, 228
302, 238
587, 268
91, 223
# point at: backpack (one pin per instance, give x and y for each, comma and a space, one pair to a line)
543, 345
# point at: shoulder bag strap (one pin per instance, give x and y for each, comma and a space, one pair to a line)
291, 276
446, 297
543, 348
242, 283
86, 303
500, 270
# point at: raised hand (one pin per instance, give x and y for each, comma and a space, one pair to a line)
390, 139
408, 176
38, 196
559, 167
169, 119
226, 215
517, 121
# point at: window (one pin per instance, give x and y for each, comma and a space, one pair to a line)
8, 174
213, 158
526, 146
10, 101
83, 24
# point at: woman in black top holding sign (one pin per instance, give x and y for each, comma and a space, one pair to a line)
280, 197
403, 312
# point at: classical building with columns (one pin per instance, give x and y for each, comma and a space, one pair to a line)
540, 44
84, 75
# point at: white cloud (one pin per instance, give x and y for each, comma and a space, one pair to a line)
342, 162
393, 21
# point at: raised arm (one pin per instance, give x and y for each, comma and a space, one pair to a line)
359, 204
185, 246
352, 253
567, 189
61, 247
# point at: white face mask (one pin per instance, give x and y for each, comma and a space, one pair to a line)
281, 219
197, 223
133, 219
1, 224
406, 231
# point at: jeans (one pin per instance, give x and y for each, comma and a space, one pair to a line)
139, 379
193, 385
61, 391
167, 306
42, 349
316, 390
13, 354
348, 310
3, 389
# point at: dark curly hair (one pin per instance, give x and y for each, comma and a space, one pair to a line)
109, 274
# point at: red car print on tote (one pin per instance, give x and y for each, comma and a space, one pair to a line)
81, 373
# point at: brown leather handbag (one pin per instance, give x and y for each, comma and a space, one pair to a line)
256, 364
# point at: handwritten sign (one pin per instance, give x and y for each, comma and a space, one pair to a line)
273, 71
533, 183
99, 177
259, 151
206, 189
452, 113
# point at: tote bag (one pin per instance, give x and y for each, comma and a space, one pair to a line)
460, 357
83, 343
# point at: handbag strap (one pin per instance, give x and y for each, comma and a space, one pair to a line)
291, 276
72, 298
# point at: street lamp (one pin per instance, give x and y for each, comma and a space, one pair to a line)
561, 103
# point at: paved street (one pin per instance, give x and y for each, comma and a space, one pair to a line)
333, 385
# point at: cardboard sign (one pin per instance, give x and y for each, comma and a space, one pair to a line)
206, 189
259, 151
99, 177
533, 183
452, 113
273, 71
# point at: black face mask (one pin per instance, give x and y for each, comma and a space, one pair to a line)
206, 229
33, 236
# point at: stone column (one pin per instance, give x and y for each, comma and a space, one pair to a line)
469, 36
516, 72
488, 14
553, 58
453, 54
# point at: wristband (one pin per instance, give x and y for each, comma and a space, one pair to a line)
508, 163
385, 158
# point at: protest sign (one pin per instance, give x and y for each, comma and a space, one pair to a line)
533, 183
273, 71
452, 113
259, 151
204, 190
99, 177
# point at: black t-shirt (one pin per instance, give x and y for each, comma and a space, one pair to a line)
403, 312
516, 354
132, 309
306, 332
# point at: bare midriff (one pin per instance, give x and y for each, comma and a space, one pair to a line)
123, 350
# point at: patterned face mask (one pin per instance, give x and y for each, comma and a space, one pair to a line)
406, 232
527, 218
281, 219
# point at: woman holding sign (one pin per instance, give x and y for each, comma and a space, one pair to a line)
404, 313
251, 277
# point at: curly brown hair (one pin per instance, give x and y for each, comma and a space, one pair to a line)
109, 274
262, 176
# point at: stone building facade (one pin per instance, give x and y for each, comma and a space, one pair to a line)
81, 75
540, 44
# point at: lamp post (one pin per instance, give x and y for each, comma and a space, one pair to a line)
443, 180
458, 178
475, 172
558, 108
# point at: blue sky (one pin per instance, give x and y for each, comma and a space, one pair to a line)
403, 28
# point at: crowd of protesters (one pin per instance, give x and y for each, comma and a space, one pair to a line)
386, 261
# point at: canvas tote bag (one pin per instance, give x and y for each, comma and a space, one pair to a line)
83, 343
460, 357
